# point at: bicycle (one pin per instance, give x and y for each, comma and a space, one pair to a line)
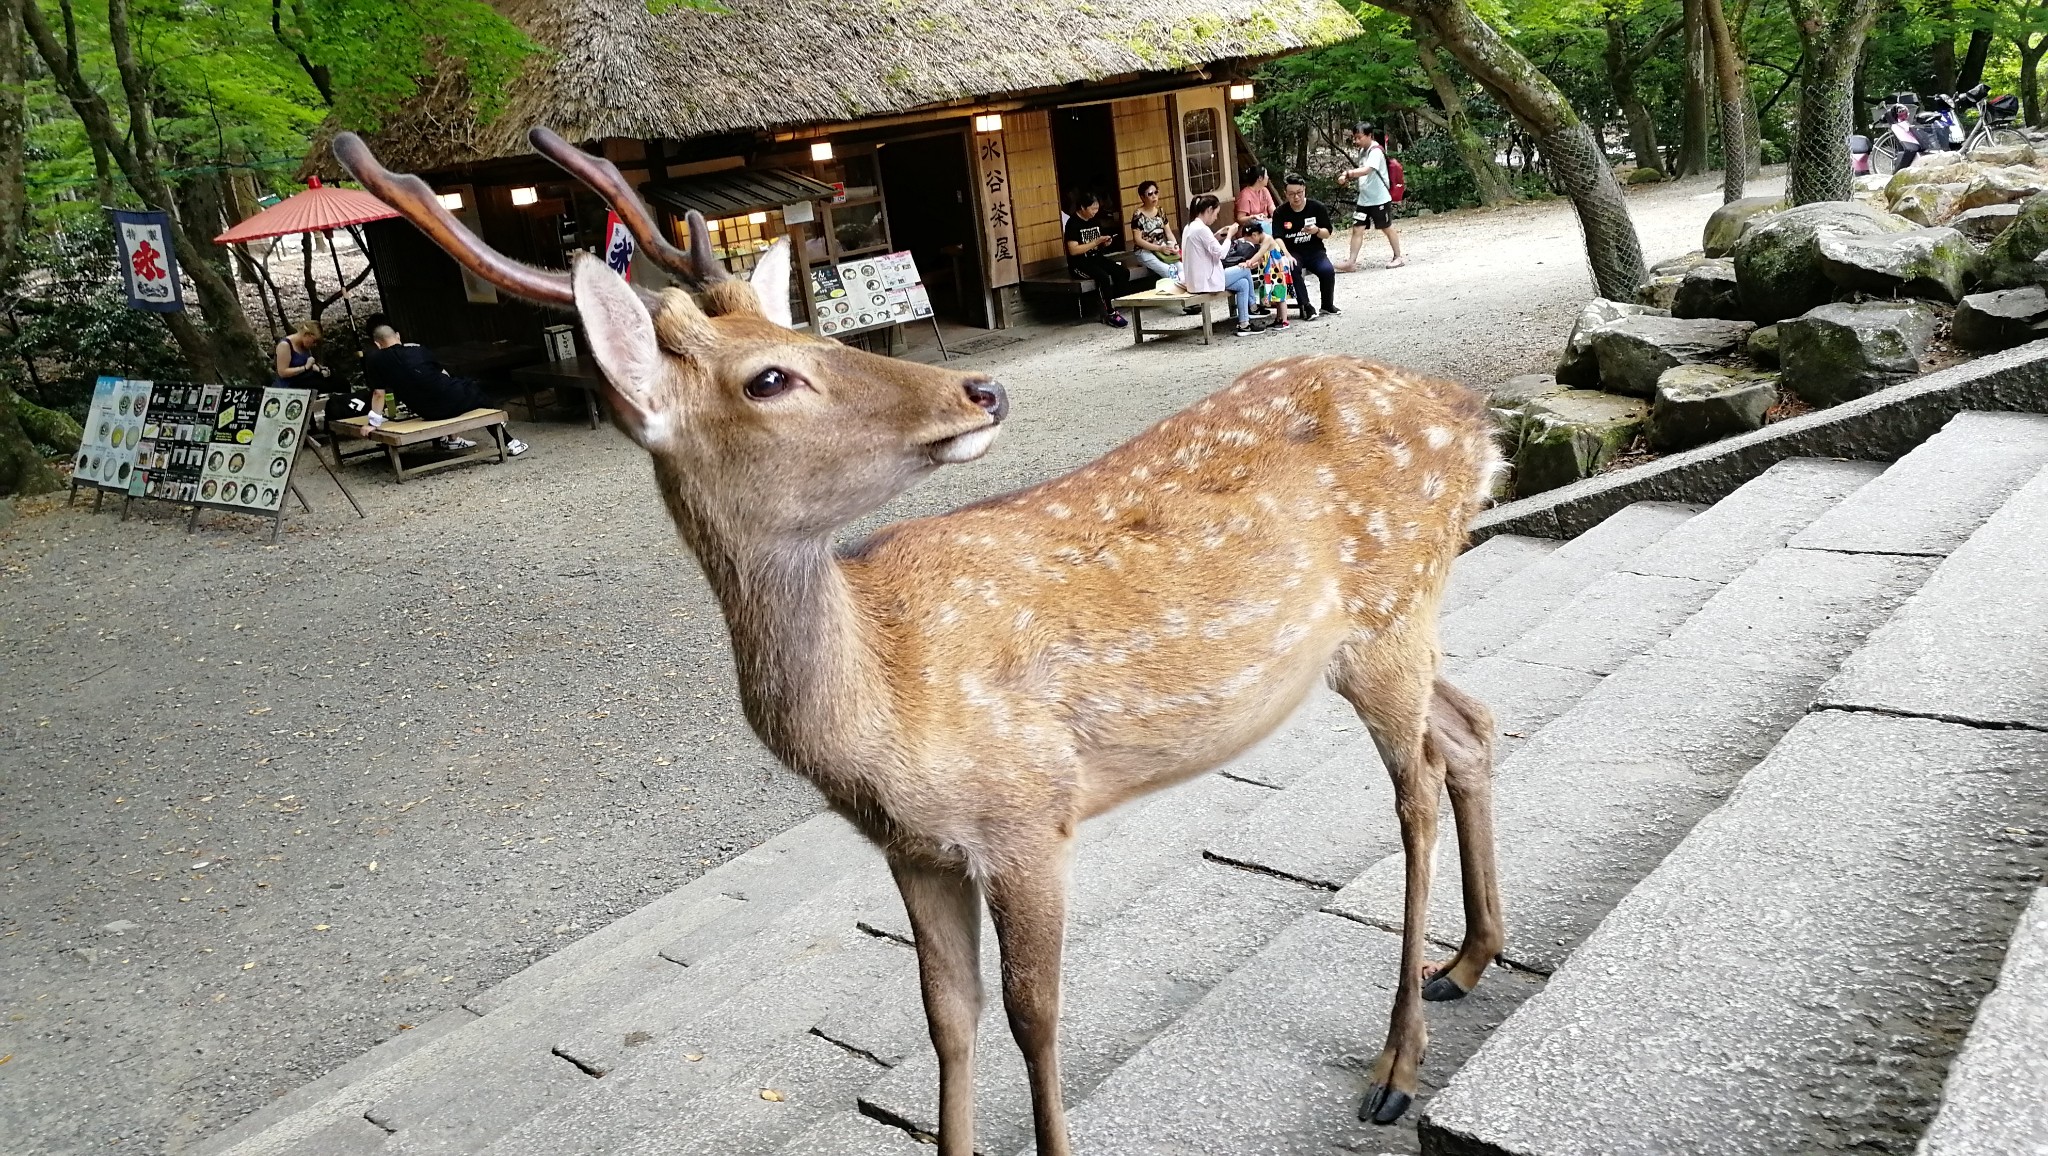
1995, 119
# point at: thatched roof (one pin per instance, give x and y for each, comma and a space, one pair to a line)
609, 68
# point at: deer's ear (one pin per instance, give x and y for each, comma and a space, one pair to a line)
771, 283
622, 340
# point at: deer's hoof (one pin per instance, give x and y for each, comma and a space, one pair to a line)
1383, 1104
1441, 988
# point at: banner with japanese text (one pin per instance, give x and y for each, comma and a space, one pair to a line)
618, 244
148, 266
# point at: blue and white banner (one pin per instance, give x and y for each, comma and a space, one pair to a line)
148, 265
618, 244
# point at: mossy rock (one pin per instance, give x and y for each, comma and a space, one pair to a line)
2009, 260
1579, 366
1644, 176
1726, 224
1930, 204
1839, 352
1934, 264
1763, 345
1571, 435
1777, 261
1697, 404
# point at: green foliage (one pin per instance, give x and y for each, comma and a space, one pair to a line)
69, 315
378, 50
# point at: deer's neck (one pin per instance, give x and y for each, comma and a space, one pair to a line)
810, 679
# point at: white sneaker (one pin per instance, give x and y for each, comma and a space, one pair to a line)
455, 443
514, 446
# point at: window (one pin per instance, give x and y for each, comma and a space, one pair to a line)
1198, 144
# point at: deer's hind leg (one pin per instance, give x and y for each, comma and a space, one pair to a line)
1389, 679
1461, 735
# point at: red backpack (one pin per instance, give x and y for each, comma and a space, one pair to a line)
1397, 187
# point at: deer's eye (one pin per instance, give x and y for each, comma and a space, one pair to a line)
771, 383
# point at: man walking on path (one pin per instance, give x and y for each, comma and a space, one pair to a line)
1303, 223
1375, 196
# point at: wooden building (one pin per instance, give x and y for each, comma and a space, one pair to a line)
950, 129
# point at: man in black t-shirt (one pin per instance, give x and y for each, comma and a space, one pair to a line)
1303, 223
1085, 240
410, 373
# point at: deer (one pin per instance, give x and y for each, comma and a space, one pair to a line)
968, 688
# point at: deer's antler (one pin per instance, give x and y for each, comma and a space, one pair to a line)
414, 198
698, 267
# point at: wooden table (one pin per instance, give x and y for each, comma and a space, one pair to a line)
577, 373
1137, 303
397, 435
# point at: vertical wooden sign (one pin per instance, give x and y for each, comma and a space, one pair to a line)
998, 219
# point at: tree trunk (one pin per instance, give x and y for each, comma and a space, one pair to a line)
1473, 149
233, 347
22, 468
1832, 32
1972, 72
1572, 152
2030, 77
1729, 76
1621, 77
1694, 126
13, 133
1942, 15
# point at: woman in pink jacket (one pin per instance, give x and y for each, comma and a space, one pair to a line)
1201, 256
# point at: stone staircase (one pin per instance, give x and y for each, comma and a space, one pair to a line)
1772, 793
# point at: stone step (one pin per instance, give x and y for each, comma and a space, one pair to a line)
1995, 1102
1933, 498
1531, 594
1331, 825
1972, 645
1591, 803
1796, 975
1490, 563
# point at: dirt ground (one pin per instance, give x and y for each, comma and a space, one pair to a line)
261, 807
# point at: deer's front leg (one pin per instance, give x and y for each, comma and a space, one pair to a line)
1028, 903
945, 918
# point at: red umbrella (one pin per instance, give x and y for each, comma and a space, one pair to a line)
317, 210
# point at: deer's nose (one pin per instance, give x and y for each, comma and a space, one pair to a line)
988, 394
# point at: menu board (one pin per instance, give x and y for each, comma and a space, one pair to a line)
174, 437
253, 443
113, 433
868, 292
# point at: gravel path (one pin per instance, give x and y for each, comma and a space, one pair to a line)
262, 807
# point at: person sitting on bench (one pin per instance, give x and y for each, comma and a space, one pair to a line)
410, 373
1086, 238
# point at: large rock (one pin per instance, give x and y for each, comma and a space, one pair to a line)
1726, 224
1937, 264
2009, 261
1934, 168
1983, 225
2001, 319
1762, 346
1571, 435
1524, 388
1635, 351
1840, 351
1660, 292
1708, 289
1929, 204
2002, 186
1578, 366
1777, 262
2019, 154
1697, 404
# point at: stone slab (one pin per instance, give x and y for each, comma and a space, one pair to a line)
1996, 1100
1486, 565
1611, 621
1722, 541
1533, 594
1933, 498
1880, 427
1793, 978
1972, 645
1593, 801
1323, 725
1122, 987
848, 1133
1275, 1060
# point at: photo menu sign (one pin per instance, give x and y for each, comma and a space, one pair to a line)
113, 433
254, 442
868, 292
174, 437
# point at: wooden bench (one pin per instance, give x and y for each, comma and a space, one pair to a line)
1136, 303
1054, 279
398, 435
